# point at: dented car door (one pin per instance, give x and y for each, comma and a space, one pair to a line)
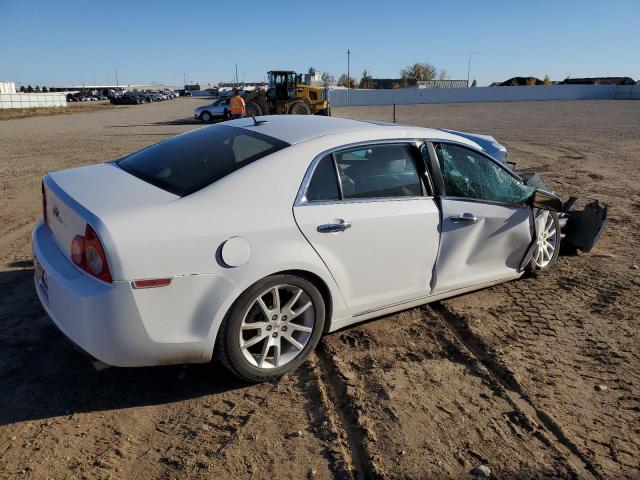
486, 224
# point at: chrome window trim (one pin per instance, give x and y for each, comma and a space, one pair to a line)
301, 199
362, 200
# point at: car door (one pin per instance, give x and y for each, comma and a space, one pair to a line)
367, 213
486, 224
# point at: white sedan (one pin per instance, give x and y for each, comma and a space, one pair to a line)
250, 239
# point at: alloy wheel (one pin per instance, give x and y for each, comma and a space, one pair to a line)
547, 239
277, 326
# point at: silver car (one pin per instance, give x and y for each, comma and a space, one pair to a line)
219, 109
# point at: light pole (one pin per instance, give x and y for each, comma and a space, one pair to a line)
117, 83
469, 67
348, 69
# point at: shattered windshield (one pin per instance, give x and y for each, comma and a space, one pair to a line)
469, 174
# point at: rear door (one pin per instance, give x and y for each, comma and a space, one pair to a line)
486, 224
367, 213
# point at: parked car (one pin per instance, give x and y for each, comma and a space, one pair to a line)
219, 109
249, 240
126, 99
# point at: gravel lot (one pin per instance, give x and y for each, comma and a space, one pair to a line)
533, 379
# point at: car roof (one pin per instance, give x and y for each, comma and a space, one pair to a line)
300, 128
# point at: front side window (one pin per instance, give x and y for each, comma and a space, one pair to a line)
378, 171
189, 162
469, 174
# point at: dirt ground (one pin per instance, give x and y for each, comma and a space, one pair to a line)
538, 378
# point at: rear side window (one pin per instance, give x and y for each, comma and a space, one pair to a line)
189, 162
324, 184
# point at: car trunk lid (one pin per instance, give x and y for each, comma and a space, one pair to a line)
91, 195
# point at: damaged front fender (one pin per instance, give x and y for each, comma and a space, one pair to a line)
581, 229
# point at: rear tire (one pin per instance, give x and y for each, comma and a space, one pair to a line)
267, 334
546, 253
299, 108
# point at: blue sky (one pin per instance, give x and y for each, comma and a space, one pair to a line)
61, 42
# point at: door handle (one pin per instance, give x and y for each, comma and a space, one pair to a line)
336, 226
464, 218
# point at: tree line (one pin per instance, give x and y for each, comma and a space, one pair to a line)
30, 89
416, 72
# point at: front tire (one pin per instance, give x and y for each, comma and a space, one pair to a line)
548, 242
271, 328
205, 117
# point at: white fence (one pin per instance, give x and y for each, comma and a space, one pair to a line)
406, 96
628, 92
31, 100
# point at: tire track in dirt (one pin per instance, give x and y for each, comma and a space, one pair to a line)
398, 400
558, 438
330, 422
339, 403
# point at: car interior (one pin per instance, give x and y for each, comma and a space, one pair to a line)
379, 171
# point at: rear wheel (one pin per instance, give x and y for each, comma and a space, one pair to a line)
548, 242
272, 328
253, 109
205, 117
299, 108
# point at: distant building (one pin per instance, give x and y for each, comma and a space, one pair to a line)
7, 87
599, 81
313, 77
518, 82
388, 83
443, 83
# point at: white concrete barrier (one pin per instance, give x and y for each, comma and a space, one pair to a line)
405, 96
31, 100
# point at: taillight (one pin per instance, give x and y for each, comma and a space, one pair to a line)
77, 251
88, 254
44, 205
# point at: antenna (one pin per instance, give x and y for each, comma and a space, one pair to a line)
257, 123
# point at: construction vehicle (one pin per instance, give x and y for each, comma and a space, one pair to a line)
286, 95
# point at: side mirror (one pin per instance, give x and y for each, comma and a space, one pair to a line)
545, 200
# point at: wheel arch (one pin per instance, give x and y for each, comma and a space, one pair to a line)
321, 285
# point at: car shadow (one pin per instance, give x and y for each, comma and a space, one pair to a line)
42, 375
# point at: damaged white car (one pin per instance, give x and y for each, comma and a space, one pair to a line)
249, 239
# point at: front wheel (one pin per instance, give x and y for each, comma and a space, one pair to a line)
272, 328
205, 117
547, 248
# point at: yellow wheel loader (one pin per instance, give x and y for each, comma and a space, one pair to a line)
286, 95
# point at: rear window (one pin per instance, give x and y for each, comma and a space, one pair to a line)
187, 163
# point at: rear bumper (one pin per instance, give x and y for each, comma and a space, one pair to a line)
122, 326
